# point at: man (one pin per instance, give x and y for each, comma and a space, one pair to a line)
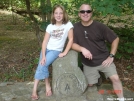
90, 40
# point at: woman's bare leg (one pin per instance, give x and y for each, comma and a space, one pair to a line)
34, 93
48, 87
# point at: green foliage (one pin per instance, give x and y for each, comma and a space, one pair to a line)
23, 74
43, 25
126, 44
114, 7
129, 67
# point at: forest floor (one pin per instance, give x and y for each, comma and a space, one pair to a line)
19, 52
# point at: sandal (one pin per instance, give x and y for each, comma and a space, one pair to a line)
34, 97
49, 93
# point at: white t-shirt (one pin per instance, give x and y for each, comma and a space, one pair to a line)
58, 35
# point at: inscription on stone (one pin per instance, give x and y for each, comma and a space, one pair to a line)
67, 84
67, 78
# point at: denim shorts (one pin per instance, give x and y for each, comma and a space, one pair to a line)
42, 70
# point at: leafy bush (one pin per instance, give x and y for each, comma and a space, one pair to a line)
126, 44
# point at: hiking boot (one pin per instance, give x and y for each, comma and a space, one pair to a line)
99, 81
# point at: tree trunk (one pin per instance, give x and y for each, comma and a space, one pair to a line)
42, 5
36, 27
49, 14
45, 5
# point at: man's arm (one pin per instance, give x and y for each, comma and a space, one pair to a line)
114, 46
84, 51
76, 47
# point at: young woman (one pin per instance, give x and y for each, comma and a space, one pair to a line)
52, 46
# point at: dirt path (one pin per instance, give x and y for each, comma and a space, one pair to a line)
18, 48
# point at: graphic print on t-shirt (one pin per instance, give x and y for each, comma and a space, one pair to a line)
57, 34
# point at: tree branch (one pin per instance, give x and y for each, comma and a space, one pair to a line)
29, 11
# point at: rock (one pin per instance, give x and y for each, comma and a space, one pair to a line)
67, 77
94, 96
6, 83
21, 91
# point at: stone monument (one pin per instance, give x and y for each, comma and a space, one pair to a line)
67, 77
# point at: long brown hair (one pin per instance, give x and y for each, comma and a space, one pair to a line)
65, 16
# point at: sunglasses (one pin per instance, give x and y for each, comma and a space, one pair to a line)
87, 11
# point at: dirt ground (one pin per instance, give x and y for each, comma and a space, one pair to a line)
19, 52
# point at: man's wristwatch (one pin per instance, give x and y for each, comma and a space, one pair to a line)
111, 56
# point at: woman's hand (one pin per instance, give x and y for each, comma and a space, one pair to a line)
43, 60
62, 54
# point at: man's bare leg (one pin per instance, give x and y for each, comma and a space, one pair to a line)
117, 86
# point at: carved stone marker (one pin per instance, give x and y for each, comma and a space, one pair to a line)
67, 77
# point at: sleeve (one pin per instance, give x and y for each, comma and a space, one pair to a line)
109, 35
69, 26
48, 29
75, 36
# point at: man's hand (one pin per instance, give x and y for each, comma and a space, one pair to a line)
107, 62
86, 53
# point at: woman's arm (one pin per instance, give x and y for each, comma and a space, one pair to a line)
44, 45
69, 44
